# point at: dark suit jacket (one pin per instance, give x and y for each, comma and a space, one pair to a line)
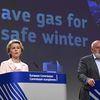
87, 69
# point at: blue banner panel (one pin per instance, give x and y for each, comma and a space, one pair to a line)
30, 77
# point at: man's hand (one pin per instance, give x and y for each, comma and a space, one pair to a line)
91, 82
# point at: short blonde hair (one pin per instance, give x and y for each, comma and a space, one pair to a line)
11, 42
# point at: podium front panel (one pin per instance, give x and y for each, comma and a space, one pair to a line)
33, 86
94, 91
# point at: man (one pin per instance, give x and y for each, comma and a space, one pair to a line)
89, 70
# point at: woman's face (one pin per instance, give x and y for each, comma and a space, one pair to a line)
15, 50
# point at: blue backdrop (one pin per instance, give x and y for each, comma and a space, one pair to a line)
51, 31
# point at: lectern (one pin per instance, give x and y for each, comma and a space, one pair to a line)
94, 91
33, 86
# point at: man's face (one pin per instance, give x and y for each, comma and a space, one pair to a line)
96, 48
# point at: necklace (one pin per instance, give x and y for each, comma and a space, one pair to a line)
15, 60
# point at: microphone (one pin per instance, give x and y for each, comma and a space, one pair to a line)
36, 65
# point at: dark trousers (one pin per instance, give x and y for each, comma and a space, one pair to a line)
84, 94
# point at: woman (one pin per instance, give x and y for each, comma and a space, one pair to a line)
14, 63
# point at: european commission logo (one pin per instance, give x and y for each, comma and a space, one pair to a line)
94, 7
11, 91
95, 91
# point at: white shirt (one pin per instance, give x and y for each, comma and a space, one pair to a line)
18, 66
97, 63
